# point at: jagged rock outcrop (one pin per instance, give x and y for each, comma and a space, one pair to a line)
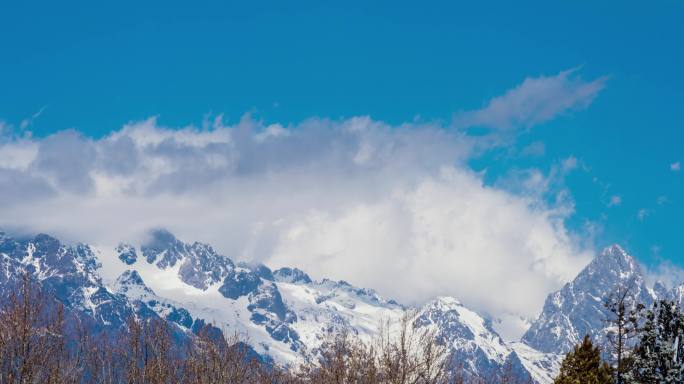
200, 265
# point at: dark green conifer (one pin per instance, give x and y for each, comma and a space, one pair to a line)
583, 365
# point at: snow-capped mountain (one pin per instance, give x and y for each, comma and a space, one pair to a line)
287, 315
476, 344
578, 309
67, 272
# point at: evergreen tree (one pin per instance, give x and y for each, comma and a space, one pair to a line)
583, 365
659, 357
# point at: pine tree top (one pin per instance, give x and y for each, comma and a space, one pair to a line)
583, 365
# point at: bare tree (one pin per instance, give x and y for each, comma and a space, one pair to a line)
226, 360
33, 348
403, 355
623, 325
36, 348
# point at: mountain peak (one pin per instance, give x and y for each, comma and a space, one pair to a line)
614, 249
571, 312
615, 254
130, 277
160, 238
470, 334
446, 301
291, 275
613, 263
164, 245
131, 284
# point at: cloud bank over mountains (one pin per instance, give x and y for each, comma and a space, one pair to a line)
396, 208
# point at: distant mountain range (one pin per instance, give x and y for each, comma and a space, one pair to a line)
287, 315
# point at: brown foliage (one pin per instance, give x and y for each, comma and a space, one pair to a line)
32, 346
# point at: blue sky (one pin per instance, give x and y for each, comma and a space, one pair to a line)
96, 67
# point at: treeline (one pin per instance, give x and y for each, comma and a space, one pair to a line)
39, 343
645, 346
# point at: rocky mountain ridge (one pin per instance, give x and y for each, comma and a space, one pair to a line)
287, 315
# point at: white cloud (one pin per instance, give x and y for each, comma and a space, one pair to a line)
675, 166
18, 155
355, 199
615, 200
446, 234
642, 214
665, 272
536, 100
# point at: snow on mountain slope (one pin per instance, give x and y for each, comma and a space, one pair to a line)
464, 329
287, 315
328, 306
542, 367
324, 307
69, 273
470, 337
280, 318
284, 313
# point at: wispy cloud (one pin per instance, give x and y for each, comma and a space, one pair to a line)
536, 100
643, 213
542, 186
615, 200
534, 149
29, 120
676, 166
569, 163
